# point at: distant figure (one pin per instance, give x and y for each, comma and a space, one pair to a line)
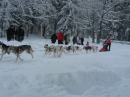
87, 44
53, 38
74, 39
60, 37
108, 43
19, 35
82, 40
10, 33
67, 38
79, 41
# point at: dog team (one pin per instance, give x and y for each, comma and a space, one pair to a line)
57, 50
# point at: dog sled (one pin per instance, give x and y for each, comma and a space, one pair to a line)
104, 48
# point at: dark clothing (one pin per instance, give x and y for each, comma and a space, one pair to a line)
19, 35
108, 44
67, 39
74, 39
10, 34
82, 41
53, 38
60, 42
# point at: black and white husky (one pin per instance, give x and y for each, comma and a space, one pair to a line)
17, 50
68, 49
76, 49
90, 48
87, 48
4, 49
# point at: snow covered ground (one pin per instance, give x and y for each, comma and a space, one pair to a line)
101, 74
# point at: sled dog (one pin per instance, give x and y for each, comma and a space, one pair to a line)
59, 50
48, 49
75, 49
56, 50
4, 49
87, 48
68, 49
94, 48
17, 50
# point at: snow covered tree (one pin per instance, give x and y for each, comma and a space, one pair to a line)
97, 18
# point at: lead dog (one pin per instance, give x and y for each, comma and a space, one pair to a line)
4, 48
17, 50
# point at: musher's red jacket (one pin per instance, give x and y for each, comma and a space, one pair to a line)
108, 41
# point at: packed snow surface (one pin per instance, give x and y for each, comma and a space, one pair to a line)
100, 74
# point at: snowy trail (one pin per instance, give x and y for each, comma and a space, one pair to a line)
101, 74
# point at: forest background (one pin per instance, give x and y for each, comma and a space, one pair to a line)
95, 18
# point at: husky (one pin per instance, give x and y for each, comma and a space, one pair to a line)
17, 50
60, 50
75, 49
87, 48
94, 48
48, 49
68, 49
57, 50
4, 49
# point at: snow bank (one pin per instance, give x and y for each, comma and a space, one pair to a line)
75, 83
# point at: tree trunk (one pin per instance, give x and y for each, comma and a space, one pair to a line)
93, 33
41, 32
55, 25
93, 36
99, 36
0, 33
76, 29
129, 37
44, 30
